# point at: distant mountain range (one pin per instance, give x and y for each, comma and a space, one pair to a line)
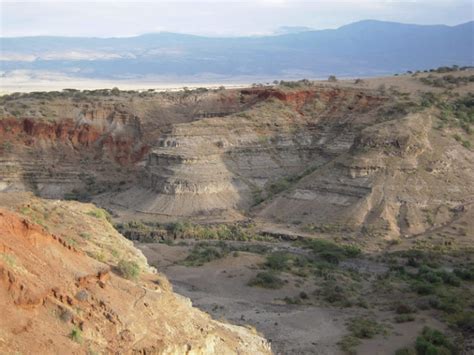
363, 48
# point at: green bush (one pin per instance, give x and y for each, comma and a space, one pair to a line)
465, 274
100, 214
423, 288
266, 279
76, 335
336, 294
202, 253
464, 320
129, 269
433, 342
404, 318
365, 328
348, 343
279, 186
278, 261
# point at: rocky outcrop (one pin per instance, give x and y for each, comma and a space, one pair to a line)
216, 166
387, 182
56, 298
58, 144
334, 154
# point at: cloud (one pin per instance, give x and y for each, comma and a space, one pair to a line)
105, 18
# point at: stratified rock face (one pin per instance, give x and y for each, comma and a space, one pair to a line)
216, 165
49, 156
54, 298
400, 178
315, 154
57, 143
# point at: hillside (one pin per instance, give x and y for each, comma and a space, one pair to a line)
71, 283
368, 48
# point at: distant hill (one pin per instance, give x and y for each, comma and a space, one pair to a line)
283, 30
363, 48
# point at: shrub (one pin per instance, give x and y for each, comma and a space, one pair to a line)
464, 320
85, 235
279, 186
278, 261
348, 343
465, 274
128, 269
202, 253
403, 308
336, 294
331, 257
433, 342
76, 335
266, 279
365, 328
423, 288
99, 213
331, 252
403, 318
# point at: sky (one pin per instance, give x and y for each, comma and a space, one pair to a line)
119, 18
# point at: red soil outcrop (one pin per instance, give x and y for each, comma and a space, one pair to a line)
298, 98
56, 299
125, 148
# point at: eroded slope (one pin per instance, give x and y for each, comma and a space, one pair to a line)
56, 298
400, 177
390, 162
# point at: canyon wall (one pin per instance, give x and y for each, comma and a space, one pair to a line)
350, 157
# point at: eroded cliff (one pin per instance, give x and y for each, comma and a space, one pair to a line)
346, 155
62, 290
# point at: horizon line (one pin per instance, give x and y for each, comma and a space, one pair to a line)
271, 34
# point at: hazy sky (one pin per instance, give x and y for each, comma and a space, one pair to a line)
225, 17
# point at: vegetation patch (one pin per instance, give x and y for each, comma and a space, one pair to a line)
433, 342
128, 269
404, 318
329, 251
267, 279
99, 213
203, 253
447, 81
154, 232
365, 328
348, 344
76, 335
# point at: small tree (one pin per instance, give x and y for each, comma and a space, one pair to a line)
332, 78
